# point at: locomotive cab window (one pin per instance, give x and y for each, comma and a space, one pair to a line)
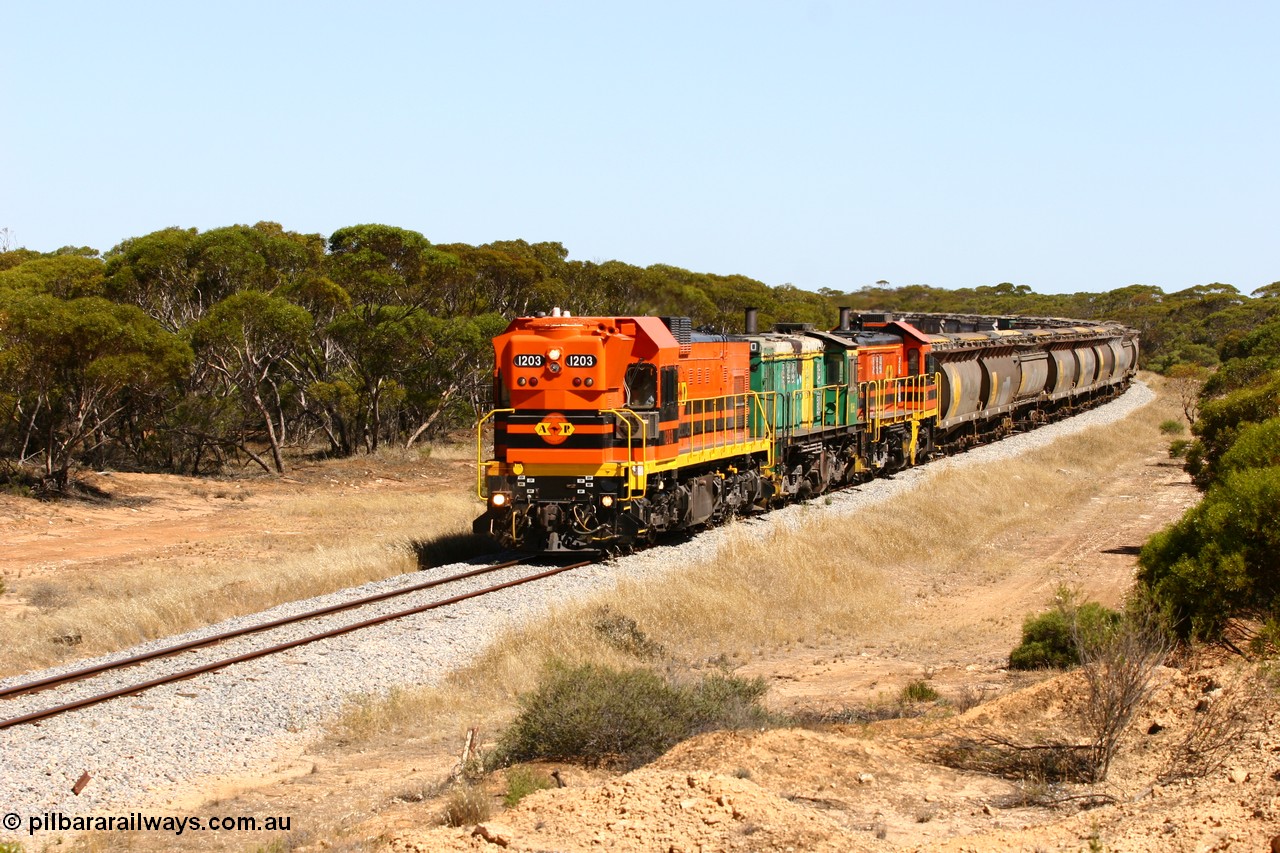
641, 384
913, 362
835, 368
670, 393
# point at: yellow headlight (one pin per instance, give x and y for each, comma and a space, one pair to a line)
553, 354
606, 501
498, 499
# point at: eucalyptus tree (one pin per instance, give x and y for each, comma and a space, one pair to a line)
69, 365
250, 341
390, 276
65, 275
176, 275
450, 370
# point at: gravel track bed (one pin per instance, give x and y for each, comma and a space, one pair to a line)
139, 748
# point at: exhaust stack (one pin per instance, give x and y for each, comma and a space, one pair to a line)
753, 321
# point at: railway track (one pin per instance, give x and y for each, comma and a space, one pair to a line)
56, 681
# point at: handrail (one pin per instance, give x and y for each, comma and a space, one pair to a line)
910, 400
726, 408
746, 406
878, 397
481, 463
808, 414
625, 416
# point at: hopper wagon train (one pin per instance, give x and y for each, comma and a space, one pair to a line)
610, 431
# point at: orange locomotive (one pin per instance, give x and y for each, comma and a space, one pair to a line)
609, 429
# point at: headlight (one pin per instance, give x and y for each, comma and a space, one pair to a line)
553, 354
498, 499
606, 501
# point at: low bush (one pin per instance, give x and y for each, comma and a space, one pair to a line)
523, 781
919, 691
625, 717
1172, 427
1218, 563
624, 634
1047, 639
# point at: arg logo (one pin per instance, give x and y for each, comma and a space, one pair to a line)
554, 428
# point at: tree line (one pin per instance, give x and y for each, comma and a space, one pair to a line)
187, 351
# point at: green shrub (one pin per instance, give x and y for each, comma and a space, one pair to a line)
1221, 560
17, 490
601, 715
523, 781
1257, 446
1172, 427
919, 691
1178, 448
1222, 422
1265, 642
1047, 638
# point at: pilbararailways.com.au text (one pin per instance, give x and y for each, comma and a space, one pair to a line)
139, 822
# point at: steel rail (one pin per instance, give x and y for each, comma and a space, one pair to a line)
270, 650
97, 669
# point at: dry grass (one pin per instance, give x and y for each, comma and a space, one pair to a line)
369, 537
836, 575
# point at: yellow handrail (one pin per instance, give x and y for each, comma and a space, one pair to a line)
910, 400
810, 414
735, 409
625, 416
481, 463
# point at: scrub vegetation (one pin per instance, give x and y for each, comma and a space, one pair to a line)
1216, 572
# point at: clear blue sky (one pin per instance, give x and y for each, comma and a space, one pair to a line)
1067, 146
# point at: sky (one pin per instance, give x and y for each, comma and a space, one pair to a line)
1068, 146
